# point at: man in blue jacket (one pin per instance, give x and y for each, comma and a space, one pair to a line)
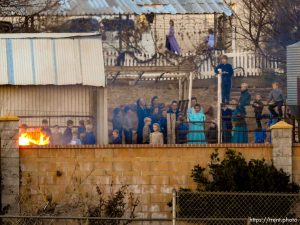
226, 70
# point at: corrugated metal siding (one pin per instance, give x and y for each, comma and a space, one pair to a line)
46, 100
108, 7
293, 72
43, 60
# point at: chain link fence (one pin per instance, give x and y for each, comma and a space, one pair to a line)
51, 220
236, 208
196, 208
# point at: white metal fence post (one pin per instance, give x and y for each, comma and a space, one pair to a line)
174, 207
219, 106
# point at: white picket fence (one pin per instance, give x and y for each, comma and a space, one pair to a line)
244, 63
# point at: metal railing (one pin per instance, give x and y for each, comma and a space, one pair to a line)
61, 121
196, 132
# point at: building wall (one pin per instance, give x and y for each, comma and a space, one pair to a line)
46, 101
150, 172
296, 163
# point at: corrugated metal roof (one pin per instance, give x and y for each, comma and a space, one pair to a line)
57, 59
293, 72
109, 7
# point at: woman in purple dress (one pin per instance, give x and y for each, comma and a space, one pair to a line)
174, 47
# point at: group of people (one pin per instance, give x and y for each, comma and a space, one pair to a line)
234, 126
152, 123
173, 46
82, 134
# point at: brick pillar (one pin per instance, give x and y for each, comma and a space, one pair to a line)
10, 172
282, 146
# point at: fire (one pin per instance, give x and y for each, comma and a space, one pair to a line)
33, 138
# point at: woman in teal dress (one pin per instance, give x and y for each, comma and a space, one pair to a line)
197, 126
240, 130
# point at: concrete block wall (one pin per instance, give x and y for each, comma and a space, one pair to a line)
151, 172
9, 164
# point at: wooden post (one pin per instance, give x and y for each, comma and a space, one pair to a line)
219, 119
185, 96
102, 119
190, 88
180, 89
120, 33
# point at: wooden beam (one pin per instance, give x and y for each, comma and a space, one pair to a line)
148, 69
115, 77
158, 78
140, 76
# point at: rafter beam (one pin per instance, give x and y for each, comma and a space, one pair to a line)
115, 77
158, 78
139, 78
149, 69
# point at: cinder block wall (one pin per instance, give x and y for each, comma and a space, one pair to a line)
150, 172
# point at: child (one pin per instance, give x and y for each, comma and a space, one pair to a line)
81, 128
146, 130
210, 40
75, 140
276, 99
67, 136
156, 138
212, 134
117, 121
226, 71
81, 137
45, 128
56, 138
89, 138
116, 140
181, 131
227, 123
258, 106
245, 98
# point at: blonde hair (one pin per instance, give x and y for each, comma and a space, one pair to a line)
147, 119
157, 125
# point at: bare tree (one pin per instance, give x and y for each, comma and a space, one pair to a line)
268, 25
26, 12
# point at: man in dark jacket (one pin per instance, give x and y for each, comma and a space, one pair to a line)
226, 70
245, 99
258, 106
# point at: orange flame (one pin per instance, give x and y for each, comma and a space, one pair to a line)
33, 138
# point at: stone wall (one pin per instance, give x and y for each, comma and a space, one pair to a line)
150, 172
